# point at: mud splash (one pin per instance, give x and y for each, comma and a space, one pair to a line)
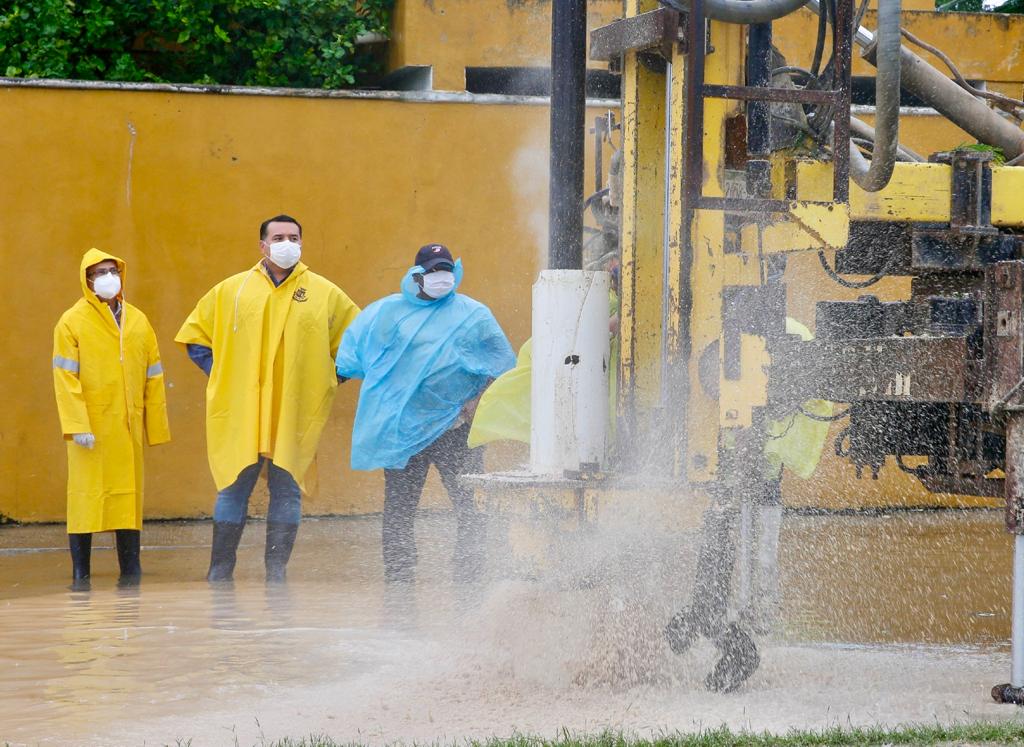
884, 620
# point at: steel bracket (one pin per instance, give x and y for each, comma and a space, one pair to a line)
969, 241
1004, 352
655, 31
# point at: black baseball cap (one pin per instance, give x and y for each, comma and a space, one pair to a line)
431, 255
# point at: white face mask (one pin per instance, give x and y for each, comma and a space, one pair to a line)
285, 254
438, 284
107, 286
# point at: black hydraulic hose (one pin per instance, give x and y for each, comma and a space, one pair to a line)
864, 130
819, 42
785, 432
919, 471
823, 418
589, 202
842, 437
857, 284
948, 98
887, 49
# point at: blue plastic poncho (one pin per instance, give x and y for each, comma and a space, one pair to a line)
420, 362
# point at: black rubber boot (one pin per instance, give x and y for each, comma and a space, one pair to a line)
1008, 694
681, 632
739, 660
81, 555
129, 546
225, 546
712, 584
280, 540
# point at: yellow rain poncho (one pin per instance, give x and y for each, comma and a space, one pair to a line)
796, 442
273, 382
504, 410
109, 382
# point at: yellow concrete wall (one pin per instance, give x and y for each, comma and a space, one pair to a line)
984, 46
177, 184
452, 35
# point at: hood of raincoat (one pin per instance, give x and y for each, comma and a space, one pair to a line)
90, 258
411, 289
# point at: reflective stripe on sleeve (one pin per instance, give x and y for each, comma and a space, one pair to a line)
67, 364
155, 370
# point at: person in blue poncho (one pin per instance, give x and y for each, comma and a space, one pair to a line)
424, 356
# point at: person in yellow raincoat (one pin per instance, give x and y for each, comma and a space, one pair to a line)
109, 384
267, 338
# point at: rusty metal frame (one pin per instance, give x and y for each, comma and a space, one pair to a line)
773, 95
654, 29
693, 147
1004, 349
697, 90
877, 369
935, 369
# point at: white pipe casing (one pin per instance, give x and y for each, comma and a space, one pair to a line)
569, 387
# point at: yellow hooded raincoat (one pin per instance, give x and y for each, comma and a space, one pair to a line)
109, 382
273, 381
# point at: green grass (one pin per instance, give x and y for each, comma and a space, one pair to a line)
1007, 732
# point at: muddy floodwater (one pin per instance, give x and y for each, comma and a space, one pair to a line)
883, 619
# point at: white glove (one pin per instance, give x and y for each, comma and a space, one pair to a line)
84, 439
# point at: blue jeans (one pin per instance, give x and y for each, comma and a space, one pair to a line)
285, 497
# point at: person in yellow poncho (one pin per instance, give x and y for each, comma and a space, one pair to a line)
109, 384
267, 338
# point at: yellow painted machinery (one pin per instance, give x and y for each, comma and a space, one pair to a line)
734, 160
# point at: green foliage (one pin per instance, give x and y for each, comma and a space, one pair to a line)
975, 6
998, 157
296, 43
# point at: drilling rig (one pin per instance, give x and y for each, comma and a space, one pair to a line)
762, 159
733, 160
